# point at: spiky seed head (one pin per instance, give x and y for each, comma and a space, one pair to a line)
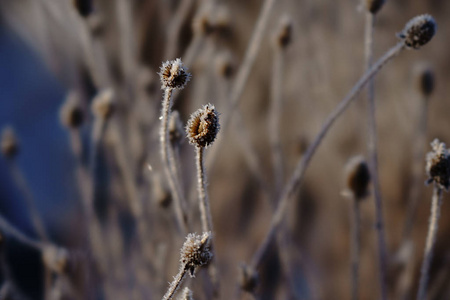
203, 126
438, 165
195, 251
425, 79
103, 105
225, 65
373, 6
284, 34
55, 258
186, 294
9, 143
357, 177
248, 278
176, 132
418, 31
71, 113
173, 75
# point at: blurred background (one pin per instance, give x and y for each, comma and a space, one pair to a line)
52, 50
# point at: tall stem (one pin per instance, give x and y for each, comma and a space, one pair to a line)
436, 203
297, 178
373, 158
177, 280
205, 210
355, 246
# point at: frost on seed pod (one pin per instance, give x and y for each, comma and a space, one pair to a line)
438, 165
418, 31
195, 251
103, 104
357, 177
71, 113
248, 278
173, 75
9, 143
176, 132
373, 6
424, 79
203, 126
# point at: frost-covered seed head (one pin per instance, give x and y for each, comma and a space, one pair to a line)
9, 143
195, 251
173, 75
418, 31
438, 165
203, 126
357, 177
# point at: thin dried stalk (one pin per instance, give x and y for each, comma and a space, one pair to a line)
355, 247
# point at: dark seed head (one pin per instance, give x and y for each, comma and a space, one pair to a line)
173, 75
438, 165
203, 126
71, 113
358, 177
418, 31
9, 143
373, 6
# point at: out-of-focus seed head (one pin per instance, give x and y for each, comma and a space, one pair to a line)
225, 65
357, 177
424, 79
71, 113
195, 251
418, 31
283, 36
55, 258
161, 193
438, 165
103, 105
173, 75
373, 6
186, 294
202, 23
203, 126
84, 7
176, 132
9, 143
248, 278
96, 24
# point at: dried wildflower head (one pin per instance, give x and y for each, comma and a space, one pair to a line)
418, 31
373, 6
195, 251
176, 132
71, 113
103, 104
203, 126
284, 34
225, 65
173, 75
357, 177
424, 79
84, 7
9, 143
55, 258
186, 294
438, 165
248, 278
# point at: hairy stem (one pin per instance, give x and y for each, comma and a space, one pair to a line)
173, 287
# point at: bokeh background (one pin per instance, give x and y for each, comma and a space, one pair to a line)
47, 49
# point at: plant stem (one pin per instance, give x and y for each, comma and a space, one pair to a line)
164, 141
177, 280
297, 177
436, 203
355, 246
205, 209
373, 158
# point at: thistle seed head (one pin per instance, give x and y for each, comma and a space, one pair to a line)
71, 113
284, 35
9, 143
195, 251
425, 80
438, 165
373, 6
357, 177
173, 75
186, 294
104, 104
418, 31
248, 278
203, 126
176, 132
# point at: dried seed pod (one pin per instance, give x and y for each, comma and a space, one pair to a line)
9, 143
284, 34
71, 113
438, 165
203, 126
373, 6
176, 132
418, 31
357, 177
425, 80
195, 251
55, 258
225, 65
173, 75
248, 278
103, 104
